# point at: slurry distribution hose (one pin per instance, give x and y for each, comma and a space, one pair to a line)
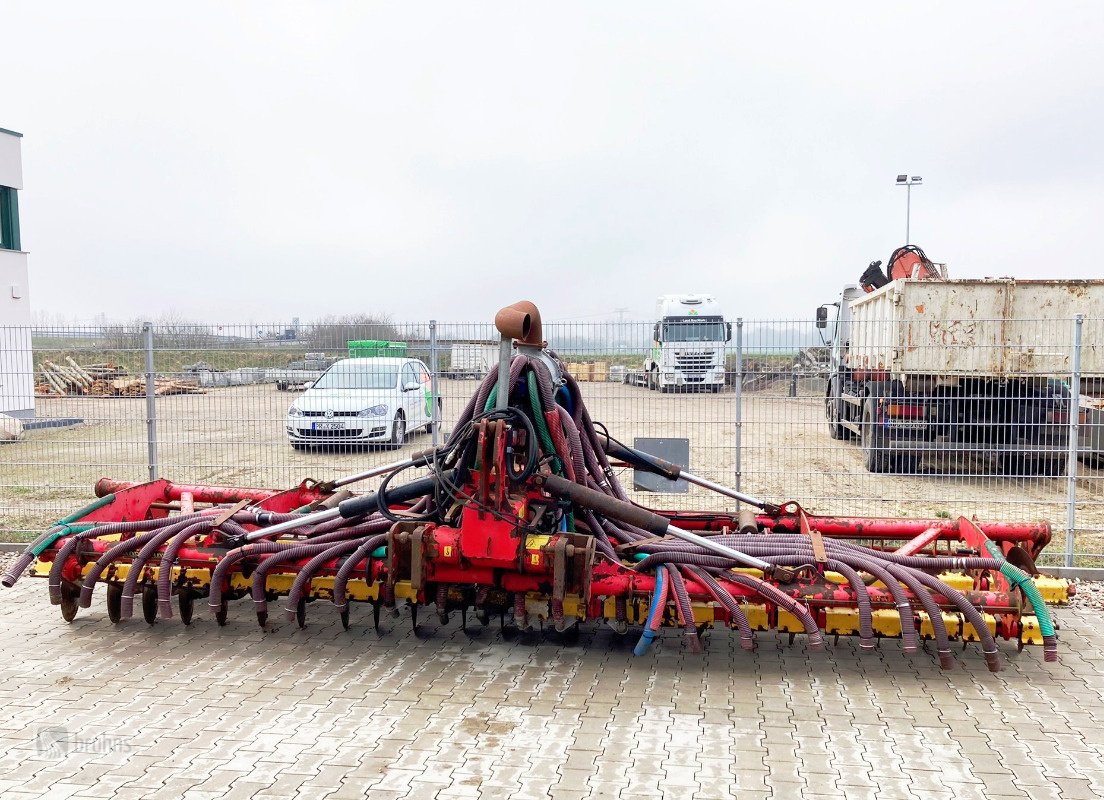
566, 457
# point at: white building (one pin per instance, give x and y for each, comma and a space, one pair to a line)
16, 365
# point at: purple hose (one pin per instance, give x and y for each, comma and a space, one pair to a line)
307, 571
168, 559
70, 544
345, 571
735, 612
260, 575
126, 603
862, 594
685, 610
112, 554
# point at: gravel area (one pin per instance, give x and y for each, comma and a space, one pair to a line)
1090, 594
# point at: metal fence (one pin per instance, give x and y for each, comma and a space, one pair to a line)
210, 404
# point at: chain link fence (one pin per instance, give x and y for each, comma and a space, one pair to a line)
767, 406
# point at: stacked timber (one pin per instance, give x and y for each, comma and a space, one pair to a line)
102, 380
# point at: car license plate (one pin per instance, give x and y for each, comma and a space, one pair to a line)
328, 426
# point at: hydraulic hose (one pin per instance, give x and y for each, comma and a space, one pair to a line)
168, 559
47, 540
736, 614
307, 572
1027, 586
70, 545
685, 610
345, 571
138, 563
655, 614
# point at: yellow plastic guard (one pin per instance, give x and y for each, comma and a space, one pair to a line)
841, 620
572, 606
703, 613
635, 612
756, 614
788, 623
1055, 591
957, 580
971, 635
1029, 630
886, 622
953, 623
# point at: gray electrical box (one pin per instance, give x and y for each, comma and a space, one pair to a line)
677, 451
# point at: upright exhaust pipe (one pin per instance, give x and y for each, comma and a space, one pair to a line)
519, 323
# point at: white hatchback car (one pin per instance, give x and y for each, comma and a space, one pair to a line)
363, 401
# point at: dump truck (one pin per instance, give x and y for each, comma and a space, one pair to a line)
924, 366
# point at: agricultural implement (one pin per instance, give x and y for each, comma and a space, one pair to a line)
520, 516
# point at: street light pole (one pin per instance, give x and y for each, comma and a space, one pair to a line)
908, 182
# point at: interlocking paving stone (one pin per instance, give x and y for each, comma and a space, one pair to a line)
325, 713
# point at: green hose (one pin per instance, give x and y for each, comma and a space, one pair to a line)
542, 429
96, 504
67, 528
542, 425
1023, 580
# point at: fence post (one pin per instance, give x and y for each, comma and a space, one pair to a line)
739, 402
151, 402
433, 367
1074, 433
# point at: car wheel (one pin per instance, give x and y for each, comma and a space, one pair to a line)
398, 431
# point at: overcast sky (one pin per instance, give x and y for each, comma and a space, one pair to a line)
255, 162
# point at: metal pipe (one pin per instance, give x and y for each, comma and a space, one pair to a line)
505, 353
739, 403
282, 527
151, 403
1074, 433
380, 470
719, 549
434, 415
690, 477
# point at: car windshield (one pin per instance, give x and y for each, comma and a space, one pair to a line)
699, 330
364, 374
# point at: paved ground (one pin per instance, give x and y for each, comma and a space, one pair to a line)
92, 710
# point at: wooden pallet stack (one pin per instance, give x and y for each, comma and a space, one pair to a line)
589, 371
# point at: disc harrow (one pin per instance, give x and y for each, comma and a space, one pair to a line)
520, 516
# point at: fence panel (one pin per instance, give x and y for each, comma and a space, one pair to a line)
754, 412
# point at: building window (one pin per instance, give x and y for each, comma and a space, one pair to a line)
9, 219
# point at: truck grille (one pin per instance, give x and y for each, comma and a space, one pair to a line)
693, 363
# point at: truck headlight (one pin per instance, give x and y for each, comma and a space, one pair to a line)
294, 412
374, 411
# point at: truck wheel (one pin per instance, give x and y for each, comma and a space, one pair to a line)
1053, 467
1041, 467
876, 458
831, 411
